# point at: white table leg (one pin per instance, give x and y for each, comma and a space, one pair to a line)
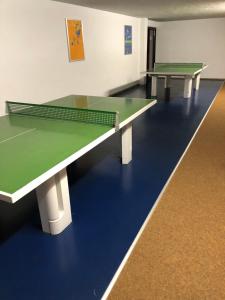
126, 142
154, 86
187, 87
54, 203
197, 81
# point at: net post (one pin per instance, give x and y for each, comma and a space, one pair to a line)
117, 121
8, 109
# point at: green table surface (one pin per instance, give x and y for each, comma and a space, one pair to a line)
183, 68
30, 146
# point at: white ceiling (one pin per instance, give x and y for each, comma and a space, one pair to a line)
159, 10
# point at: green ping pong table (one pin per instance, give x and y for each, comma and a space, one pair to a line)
188, 71
38, 142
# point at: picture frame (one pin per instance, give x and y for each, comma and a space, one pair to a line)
127, 39
75, 40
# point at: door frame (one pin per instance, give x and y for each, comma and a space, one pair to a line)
148, 45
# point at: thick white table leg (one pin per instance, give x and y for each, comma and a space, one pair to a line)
154, 86
197, 81
126, 142
187, 87
54, 203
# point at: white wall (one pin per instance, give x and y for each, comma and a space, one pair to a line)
34, 63
34, 55
193, 41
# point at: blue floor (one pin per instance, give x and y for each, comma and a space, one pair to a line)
109, 204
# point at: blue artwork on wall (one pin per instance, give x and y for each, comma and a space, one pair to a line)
127, 39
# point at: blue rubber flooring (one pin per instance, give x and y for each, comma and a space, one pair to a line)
109, 202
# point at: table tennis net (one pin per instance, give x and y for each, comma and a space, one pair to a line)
109, 118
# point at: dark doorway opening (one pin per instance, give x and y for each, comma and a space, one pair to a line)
151, 45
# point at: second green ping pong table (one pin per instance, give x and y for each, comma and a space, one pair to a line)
38, 142
188, 71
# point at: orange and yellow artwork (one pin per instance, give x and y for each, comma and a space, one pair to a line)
75, 39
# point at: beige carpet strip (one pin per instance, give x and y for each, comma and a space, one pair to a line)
181, 252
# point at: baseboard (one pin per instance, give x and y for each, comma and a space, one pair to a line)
123, 88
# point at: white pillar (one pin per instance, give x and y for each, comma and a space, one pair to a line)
197, 81
54, 203
126, 142
187, 87
154, 86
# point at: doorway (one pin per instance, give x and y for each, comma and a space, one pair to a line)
151, 45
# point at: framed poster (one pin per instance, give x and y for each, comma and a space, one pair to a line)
127, 39
75, 40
